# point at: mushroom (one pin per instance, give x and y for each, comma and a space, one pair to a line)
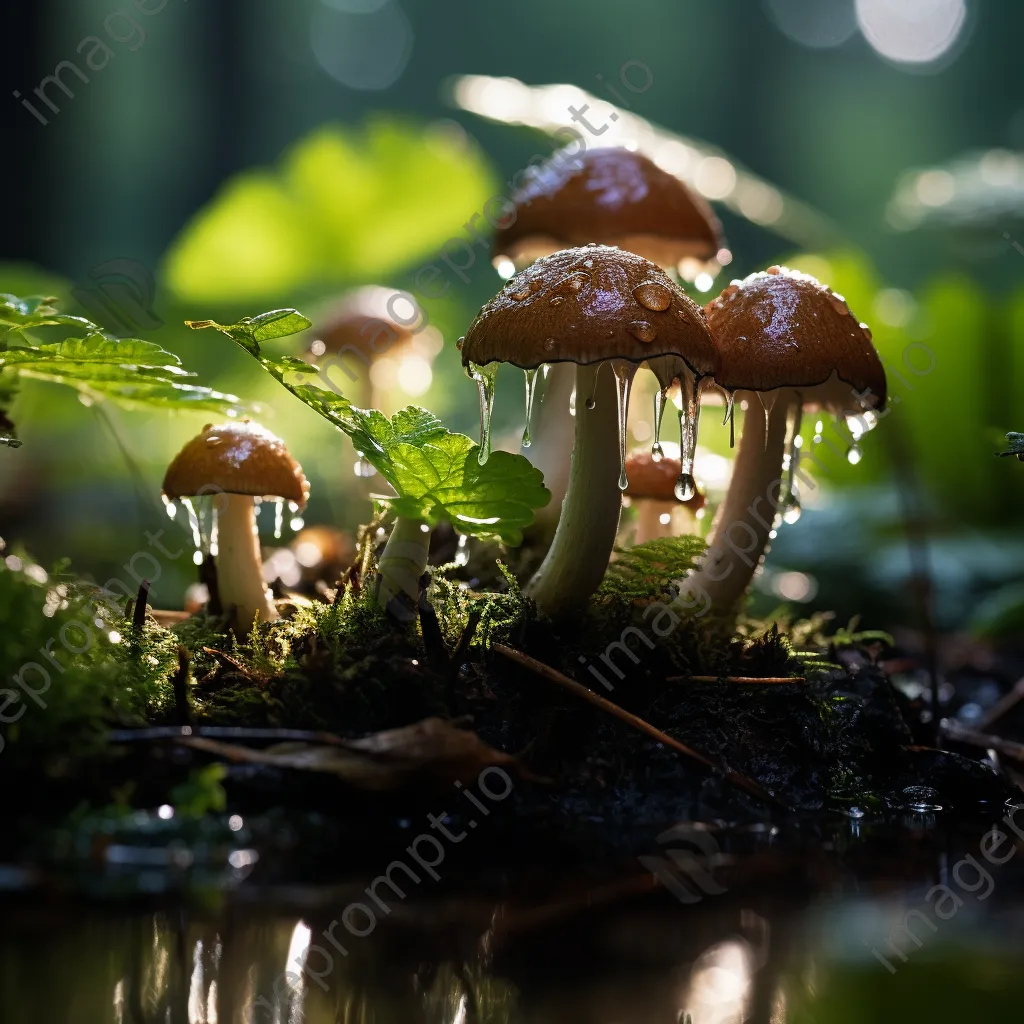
786, 343
613, 196
652, 494
591, 306
238, 462
375, 351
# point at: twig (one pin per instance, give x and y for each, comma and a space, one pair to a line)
777, 680
554, 676
1001, 706
139, 611
974, 738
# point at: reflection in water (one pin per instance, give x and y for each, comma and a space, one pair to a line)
585, 952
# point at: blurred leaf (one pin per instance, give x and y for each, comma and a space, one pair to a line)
343, 206
436, 474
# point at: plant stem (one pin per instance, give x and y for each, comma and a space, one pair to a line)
402, 563
583, 542
239, 565
739, 536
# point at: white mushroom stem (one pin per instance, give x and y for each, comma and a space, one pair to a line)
552, 431
243, 594
585, 537
649, 522
739, 537
401, 564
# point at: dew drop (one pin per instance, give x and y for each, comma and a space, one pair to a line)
197, 558
531, 388
623, 371
172, 509
642, 331
462, 551
689, 421
867, 331
484, 377
653, 295
460, 343
657, 452
278, 518
296, 523
589, 264
549, 344
773, 270
213, 440
557, 300
363, 468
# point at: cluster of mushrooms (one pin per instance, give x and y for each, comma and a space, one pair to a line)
596, 239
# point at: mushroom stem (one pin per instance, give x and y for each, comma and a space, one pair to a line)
649, 524
402, 563
739, 536
585, 537
552, 431
243, 594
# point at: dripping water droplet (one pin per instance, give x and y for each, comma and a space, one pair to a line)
484, 377
460, 343
278, 518
531, 387
462, 551
730, 417
789, 500
623, 378
657, 452
854, 455
193, 522
172, 509
689, 421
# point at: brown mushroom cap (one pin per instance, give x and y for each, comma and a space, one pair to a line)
361, 321
650, 478
783, 329
585, 306
611, 195
239, 458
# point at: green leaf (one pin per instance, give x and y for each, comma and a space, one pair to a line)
436, 474
342, 205
132, 372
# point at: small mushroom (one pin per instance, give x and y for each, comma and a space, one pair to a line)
786, 344
613, 196
652, 494
590, 307
237, 462
365, 345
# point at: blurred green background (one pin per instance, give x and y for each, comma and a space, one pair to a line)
253, 154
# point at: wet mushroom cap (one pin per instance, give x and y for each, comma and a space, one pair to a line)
362, 321
616, 195
587, 305
238, 458
782, 329
656, 479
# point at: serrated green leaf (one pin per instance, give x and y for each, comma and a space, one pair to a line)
436, 474
131, 372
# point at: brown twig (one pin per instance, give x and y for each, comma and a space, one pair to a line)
554, 676
974, 738
1001, 706
775, 680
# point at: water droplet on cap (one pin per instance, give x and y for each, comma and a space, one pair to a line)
460, 343
213, 440
557, 300
774, 270
521, 294
653, 295
549, 344
642, 331
839, 304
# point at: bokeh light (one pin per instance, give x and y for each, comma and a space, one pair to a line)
814, 23
365, 50
911, 31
